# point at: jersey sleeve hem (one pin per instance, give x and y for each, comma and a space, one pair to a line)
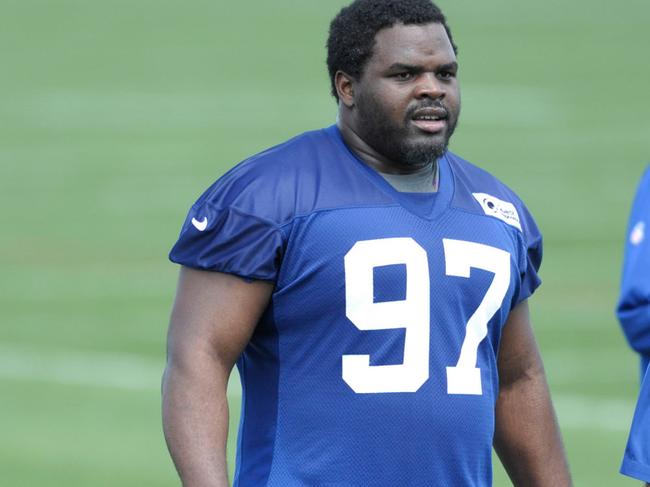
527, 292
635, 469
233, 272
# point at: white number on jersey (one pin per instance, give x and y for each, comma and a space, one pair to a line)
413, 312
460, 257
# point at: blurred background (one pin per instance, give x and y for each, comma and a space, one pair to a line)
116, 115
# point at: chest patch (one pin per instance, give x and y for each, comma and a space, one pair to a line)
503, 210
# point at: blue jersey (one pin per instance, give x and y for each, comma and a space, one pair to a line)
633, 310
636, 461
375, 362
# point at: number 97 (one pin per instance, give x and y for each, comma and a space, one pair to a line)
413, 312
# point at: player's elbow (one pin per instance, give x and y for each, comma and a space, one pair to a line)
529, 375
191, 358
635, 322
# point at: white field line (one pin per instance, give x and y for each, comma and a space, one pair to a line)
95, 369
77, 368
137, 373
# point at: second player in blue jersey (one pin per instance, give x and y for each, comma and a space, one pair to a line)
633, 308
633, 312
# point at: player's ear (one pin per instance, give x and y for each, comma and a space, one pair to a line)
344, 88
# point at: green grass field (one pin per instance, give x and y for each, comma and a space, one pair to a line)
116, 115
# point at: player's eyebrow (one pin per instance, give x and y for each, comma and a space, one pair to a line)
405, 67
452, 66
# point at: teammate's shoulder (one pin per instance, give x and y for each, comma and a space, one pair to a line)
646, 172
478, 191
644, 182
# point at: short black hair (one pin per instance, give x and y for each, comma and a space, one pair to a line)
352, 32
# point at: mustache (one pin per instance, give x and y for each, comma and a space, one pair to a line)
427, 103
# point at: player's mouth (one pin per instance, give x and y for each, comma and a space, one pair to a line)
430, 119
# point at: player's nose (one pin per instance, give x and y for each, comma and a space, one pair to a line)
429, 86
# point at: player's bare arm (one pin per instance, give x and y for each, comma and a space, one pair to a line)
527, 437
212, 320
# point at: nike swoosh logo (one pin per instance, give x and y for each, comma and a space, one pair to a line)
200, 225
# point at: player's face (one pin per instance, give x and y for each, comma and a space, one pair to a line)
407, 101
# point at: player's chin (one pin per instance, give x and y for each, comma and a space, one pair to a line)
432, 140
424, 151
419, 135
414, 137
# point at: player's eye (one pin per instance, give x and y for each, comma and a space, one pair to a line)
403, 76
446, 75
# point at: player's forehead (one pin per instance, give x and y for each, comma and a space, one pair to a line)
412, 44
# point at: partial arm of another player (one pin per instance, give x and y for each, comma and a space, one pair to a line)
213, 318
527, 437
633, 307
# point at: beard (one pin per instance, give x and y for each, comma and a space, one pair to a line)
400, 142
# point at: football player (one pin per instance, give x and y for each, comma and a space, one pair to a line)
371, 287
633, 309
633, 312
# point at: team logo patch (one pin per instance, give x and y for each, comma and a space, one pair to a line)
503, 210
637, 235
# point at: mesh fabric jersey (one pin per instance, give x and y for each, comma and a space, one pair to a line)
375, 362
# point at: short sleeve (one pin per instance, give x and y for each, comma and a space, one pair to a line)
226, 239
532, 259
